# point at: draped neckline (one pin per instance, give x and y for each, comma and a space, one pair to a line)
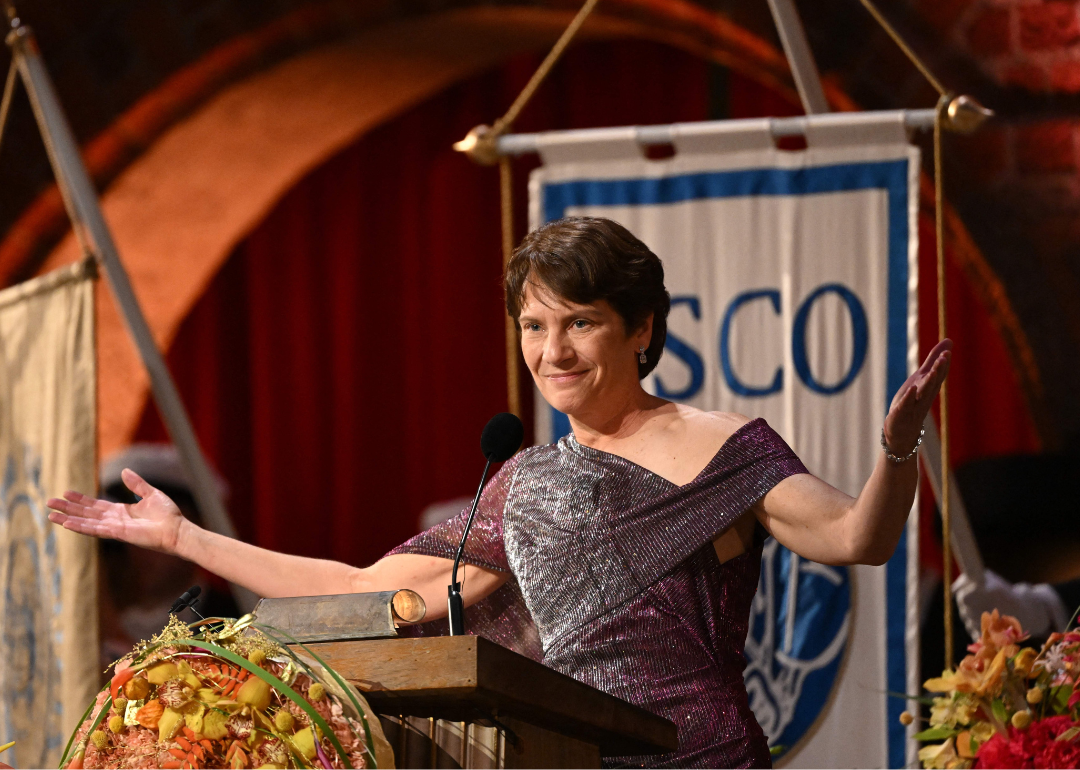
599, 454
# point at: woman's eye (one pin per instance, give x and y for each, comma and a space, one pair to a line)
531, 327
581, 323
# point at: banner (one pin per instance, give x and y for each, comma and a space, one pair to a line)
793, 286
49, 668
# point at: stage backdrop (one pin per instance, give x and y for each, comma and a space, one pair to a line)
793, 280
48, 576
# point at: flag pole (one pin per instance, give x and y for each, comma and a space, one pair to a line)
92, 232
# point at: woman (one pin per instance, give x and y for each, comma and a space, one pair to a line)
633, 544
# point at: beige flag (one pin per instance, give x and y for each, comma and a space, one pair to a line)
48, 576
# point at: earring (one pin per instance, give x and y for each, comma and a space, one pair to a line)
641, 356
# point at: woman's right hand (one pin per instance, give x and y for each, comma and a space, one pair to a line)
154, 522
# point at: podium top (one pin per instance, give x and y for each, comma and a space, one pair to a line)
468, 678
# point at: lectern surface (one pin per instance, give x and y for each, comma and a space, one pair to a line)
468, 678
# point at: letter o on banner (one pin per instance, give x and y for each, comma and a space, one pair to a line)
860, 333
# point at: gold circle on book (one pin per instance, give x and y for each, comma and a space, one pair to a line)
409, 606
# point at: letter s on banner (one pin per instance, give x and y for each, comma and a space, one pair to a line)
686, 354
732, 381
859, 331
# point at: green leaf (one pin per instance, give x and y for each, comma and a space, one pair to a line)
926, 700
998, 707
369, 744
67, 749
1069, 734
1072, 619
936, 733
277, 684
97, 723
1060, 703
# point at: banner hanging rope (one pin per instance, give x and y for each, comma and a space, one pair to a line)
5, 100
481, 146
943, 394
962, 114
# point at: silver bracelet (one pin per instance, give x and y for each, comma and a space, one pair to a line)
894, 458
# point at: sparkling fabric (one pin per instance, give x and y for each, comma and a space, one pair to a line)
615, 581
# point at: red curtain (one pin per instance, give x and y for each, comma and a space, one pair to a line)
340, 367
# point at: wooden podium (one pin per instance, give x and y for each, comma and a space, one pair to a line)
462, 701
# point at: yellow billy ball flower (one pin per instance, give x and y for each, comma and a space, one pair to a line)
1021, 719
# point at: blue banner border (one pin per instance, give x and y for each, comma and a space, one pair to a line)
890, 176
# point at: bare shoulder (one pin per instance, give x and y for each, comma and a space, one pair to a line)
710, 427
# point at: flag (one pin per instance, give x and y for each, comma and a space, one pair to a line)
49, 668
793, 284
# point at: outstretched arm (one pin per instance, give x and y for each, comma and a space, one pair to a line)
821, 523
156, 523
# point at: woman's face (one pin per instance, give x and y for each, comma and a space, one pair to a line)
580, 356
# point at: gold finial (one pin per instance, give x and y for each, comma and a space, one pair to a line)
480, 145
966, 115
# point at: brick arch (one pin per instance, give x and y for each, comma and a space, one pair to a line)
208, 175
196, 167
677, 22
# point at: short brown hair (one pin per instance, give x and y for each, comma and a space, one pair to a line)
585, 259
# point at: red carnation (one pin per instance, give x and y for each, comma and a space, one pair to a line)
1000, 752
1035, 747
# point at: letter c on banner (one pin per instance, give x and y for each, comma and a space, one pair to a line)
859, 332
687, 355
733, 382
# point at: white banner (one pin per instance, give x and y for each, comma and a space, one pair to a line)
49, 666
793, 285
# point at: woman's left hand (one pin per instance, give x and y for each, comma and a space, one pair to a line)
912, 401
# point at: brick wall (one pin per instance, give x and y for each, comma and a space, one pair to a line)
1017, 182
1033, 44
1030, 46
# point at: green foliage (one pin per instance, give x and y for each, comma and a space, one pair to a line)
1000, 712
937, 733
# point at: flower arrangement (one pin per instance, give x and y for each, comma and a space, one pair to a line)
225, 694
1007, 706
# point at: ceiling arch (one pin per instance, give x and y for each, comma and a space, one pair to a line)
179, 207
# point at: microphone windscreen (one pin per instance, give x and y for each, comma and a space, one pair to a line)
186, 599
501, 437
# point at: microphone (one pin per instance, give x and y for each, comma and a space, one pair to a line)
501, 438
186, 600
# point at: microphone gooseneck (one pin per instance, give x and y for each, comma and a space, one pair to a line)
500, 439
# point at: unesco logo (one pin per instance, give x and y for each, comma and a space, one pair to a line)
799, 626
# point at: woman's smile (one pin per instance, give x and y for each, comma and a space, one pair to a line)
565, 378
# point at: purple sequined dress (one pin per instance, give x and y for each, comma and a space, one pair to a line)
615, 582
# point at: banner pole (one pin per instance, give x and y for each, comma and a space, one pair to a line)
93, 235
800, 58
525, 144
506, 202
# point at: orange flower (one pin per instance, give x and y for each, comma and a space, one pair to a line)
1000, 632
960, 680
992, 678
973, 675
